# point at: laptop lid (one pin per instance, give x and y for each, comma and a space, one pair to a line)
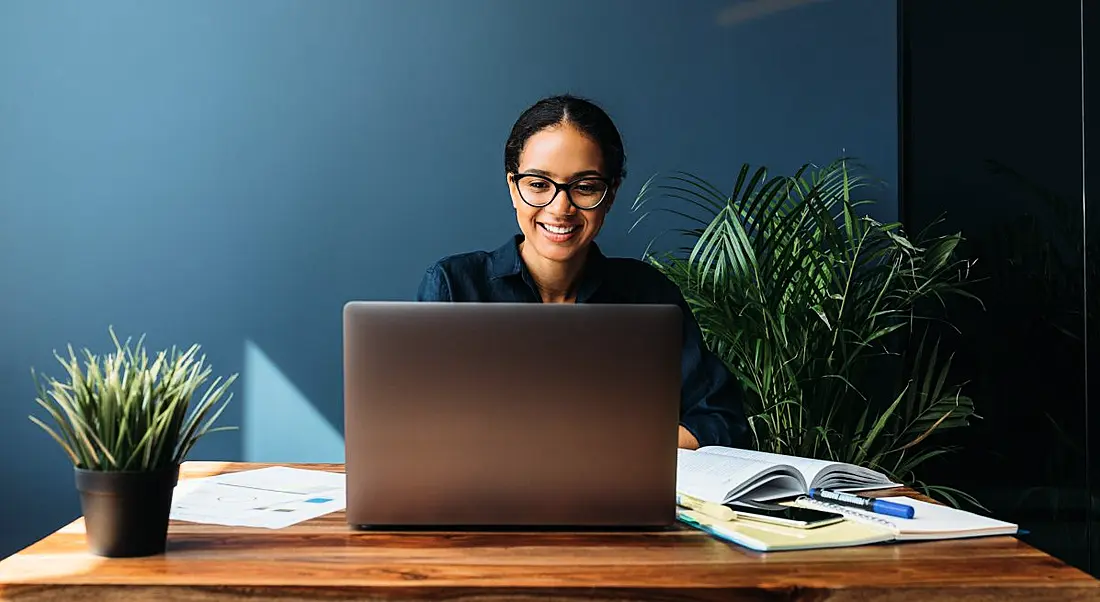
467, 414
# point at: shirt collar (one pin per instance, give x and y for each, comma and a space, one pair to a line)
505, 261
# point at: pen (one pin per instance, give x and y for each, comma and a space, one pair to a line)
858, 501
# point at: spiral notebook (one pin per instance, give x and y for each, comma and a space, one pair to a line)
931, 521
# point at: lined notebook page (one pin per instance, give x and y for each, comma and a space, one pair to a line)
930, 521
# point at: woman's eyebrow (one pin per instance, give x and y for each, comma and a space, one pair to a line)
590, 172
579, 174
537, 172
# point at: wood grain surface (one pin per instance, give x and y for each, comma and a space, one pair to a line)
324, 559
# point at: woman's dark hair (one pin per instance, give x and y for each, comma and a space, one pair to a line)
582, 114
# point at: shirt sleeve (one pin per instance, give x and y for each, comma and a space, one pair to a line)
434, 286
712, 401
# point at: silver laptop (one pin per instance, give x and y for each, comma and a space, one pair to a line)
500, 414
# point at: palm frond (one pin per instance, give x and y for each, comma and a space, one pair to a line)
797, 290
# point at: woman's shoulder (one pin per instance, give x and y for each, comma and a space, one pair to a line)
456, 271
480, 262
466, 276
461, 263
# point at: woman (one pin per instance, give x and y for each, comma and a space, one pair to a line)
564, 164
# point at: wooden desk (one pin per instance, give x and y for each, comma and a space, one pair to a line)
324, 559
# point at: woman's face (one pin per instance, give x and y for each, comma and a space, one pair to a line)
560, 231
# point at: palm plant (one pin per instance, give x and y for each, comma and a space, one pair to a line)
811, 304
122, 413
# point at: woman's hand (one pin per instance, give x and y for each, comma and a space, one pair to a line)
687, 440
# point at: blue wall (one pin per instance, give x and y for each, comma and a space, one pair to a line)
232, 173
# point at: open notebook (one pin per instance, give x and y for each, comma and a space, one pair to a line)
931, 521
725, 474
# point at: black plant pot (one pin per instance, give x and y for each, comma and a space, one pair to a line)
126, 513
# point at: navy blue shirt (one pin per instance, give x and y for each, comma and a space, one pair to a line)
711, 400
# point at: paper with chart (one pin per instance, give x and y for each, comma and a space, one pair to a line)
270, 498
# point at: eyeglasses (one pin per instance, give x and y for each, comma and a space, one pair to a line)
539, 191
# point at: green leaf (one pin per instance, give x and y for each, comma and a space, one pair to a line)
64, 444
868, 441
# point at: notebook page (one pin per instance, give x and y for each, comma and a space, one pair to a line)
930, 521
713, 477
809, 467
934, 521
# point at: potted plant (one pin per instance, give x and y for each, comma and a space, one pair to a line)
126, 422
821, 312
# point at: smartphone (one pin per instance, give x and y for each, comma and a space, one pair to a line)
789, 516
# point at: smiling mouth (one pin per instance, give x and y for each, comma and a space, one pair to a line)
559, 230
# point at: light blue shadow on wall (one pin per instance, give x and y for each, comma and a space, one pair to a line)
750, 10
279, 423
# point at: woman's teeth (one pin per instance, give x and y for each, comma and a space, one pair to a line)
558, 229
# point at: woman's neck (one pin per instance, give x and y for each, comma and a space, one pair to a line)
556, 281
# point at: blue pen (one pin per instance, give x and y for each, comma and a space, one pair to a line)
864, 503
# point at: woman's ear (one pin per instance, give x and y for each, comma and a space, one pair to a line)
612, 193
511, 189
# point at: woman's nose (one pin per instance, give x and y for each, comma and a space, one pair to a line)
561, 205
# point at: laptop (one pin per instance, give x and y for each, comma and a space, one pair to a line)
511, 414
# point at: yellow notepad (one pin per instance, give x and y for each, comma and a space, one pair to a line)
767, 537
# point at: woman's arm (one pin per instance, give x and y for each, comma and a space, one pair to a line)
687, 440
712, 402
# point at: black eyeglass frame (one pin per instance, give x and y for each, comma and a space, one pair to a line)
558, 187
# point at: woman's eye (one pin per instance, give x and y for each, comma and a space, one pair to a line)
589, 189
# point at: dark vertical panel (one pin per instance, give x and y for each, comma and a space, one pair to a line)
904, 126
991, 144
1090, 19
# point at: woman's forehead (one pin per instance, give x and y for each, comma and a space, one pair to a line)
561, 151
